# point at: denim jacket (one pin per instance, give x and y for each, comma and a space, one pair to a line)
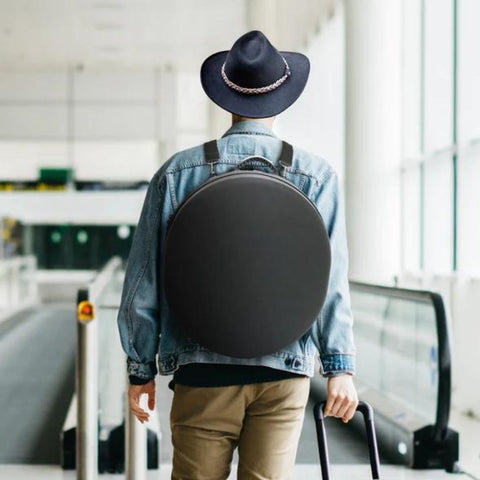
146, 324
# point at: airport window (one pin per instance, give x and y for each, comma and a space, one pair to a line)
411, 218
468, 204
437, 219
441, 164
438, 79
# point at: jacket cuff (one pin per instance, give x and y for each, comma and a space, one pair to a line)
336, 374
333, 364
146, 370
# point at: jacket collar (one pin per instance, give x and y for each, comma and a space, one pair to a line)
252, 127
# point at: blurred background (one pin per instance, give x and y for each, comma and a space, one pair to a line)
96, 94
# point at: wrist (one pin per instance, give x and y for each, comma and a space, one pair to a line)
134, 380
338, 374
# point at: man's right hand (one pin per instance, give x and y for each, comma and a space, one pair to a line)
342, 398
134, 393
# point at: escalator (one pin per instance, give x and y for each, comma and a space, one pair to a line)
37, 380
403, 332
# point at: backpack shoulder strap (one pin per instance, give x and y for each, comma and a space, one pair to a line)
286, 156
211, 151
212, 155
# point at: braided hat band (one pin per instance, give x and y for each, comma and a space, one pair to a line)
257, 90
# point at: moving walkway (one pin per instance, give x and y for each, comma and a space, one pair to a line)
404, 374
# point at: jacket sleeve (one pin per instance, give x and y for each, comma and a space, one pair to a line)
332, 332
138, 317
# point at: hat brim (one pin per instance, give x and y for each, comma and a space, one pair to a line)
254, 105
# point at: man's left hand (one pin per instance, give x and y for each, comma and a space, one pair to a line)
342, 398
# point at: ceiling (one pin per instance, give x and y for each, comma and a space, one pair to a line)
144, 33
118, 32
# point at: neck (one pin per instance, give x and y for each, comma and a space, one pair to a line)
268, 120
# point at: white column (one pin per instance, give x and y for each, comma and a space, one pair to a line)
219, 120
262, 15
373, 138
166, 112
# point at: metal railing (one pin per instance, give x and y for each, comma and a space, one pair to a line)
86, 374
100, 433
404, 372
444, 359
135, 443
18, 285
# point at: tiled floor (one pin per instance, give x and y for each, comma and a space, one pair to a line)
302, 472
469, 430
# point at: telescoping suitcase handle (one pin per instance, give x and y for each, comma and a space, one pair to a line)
367, 413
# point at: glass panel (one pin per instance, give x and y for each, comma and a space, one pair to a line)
368, 311
397, 350
468, 201
411, 218
438, 73
112, 378
438, 212
468, 70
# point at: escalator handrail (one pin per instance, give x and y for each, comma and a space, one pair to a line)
443, 337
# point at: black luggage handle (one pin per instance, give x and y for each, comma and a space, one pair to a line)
367, 412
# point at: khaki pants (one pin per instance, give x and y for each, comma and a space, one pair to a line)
264, 420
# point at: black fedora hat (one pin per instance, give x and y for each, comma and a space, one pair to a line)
253, 79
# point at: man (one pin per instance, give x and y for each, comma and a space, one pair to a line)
221, 402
